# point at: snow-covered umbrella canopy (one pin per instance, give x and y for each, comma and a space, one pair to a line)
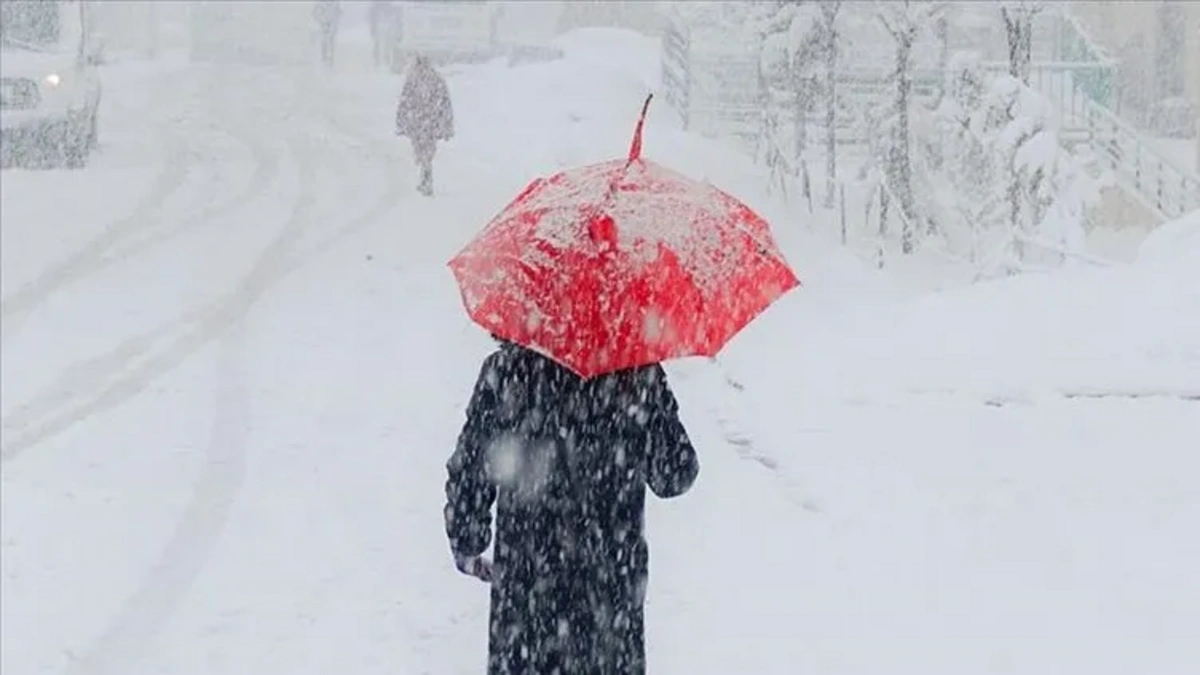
620, 264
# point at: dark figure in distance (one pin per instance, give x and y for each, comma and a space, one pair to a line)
380, 19
566, 462
425, 116
327, 14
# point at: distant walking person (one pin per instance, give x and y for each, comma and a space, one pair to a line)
380, 18
327, 14
425, 116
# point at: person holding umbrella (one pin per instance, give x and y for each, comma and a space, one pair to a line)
588, 280
567, 462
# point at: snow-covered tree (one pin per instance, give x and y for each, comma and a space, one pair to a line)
965, 174
1053, 186
827, 30
1006, 181
807, 49
941, 30
1018, 16
904, 21
790, 47
790, 54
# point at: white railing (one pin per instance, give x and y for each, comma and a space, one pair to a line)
1081, 91
1170, 190
1160, 184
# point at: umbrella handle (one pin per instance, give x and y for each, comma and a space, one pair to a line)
635, 149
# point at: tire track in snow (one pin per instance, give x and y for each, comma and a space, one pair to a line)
106, 376
394, 191
266, 168
107, 250
168, 181
203, 326
146, 612
76, 378
103, 377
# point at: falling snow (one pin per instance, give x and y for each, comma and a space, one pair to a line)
245, 424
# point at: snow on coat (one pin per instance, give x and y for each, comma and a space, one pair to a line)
566, 462
425, 112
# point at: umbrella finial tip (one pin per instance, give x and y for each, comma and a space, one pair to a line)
635, 150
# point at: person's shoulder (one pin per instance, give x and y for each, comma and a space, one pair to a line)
652, 374
495, 368
653, 386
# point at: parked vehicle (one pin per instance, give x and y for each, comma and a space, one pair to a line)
49, 83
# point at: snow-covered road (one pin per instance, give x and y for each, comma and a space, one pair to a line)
234, 365
126, 346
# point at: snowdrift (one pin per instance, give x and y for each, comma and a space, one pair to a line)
1122, 331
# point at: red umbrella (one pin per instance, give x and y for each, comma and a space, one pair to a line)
621, 264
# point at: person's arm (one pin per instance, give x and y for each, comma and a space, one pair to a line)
404, 109
470, 491
445, 110
672, 465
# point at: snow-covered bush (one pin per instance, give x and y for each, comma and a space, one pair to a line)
1004, 190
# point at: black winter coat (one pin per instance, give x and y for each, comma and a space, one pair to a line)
567, 462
